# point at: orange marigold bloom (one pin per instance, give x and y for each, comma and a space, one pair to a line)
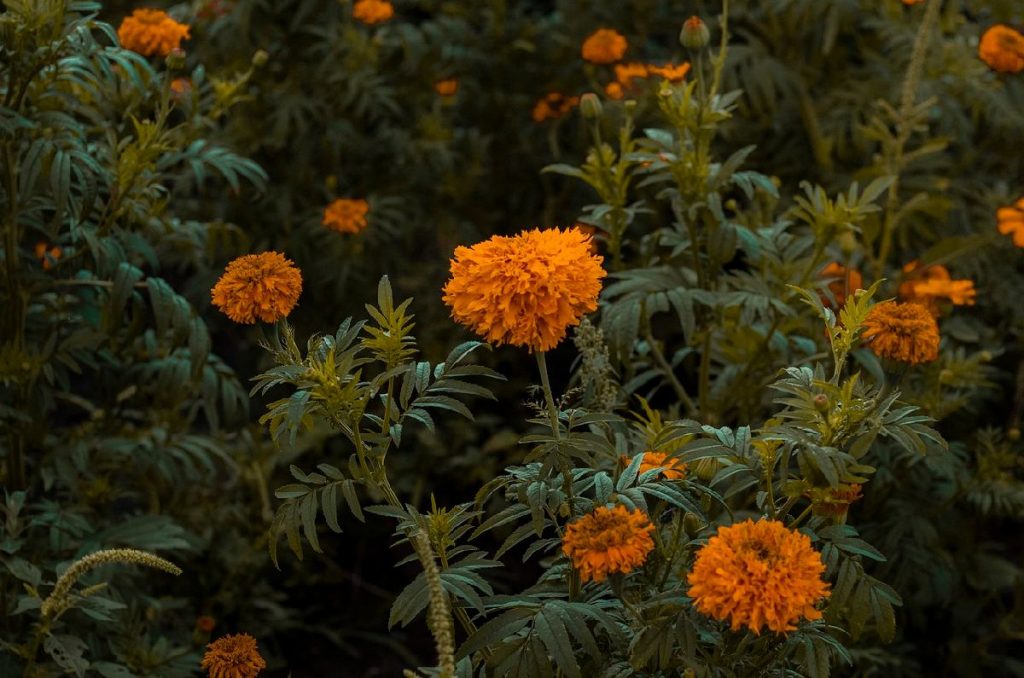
670, 468
912, 2
604, 46
833, 503
233, 656
670, 72
608, 540
258, 287
525, 290
346, 215
614, 91
447, 88
906, 332
372, 12
553, 105
1002, 49
626, 73
206, 624
151, 32
928, 285
47, 256
758, 574
843, 281
1010, 220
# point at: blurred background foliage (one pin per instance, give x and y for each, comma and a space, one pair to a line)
123, 394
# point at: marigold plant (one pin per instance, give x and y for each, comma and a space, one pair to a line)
262, 287
151, 32
608, 541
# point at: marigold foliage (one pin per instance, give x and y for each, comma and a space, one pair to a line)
608, 541
233, 656
255, 287
757, 575
604, 46
1002, 48
151, 32
525, 290
346, 215
905, 332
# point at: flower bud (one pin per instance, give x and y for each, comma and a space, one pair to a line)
260, 58
985, 356
1013, 434
695, 34
590, 106
175, 60
821, 402
847, 243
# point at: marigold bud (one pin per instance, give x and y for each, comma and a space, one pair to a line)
1013, 434
692, 524
175, 60
985, 356
847, 243
590, 106
821, 402
695, 34
260, 58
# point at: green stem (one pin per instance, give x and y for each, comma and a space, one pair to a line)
549, 398
666, 367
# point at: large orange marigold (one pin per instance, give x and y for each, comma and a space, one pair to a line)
604, 46
906, 332
758, 574
233, 656
258, 287
151, 32
608, 540
1010, 221
525, 290
372, 12
346, 215
1002, 49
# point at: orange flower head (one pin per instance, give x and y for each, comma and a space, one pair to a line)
912, 2
833, 503
604, 46
233, 656
1002, 49
553, 105
928, 285
372, 12
258, 287
905, 332
447, 88
47, 256
608, 540
151, 32
1010, 221
670, 72
614, 91
346, 215
842, 282
758, 574
671, 469
626, 73
527, 289
206, 624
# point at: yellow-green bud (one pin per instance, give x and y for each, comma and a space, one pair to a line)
847, 242
590, 106
1013, 434
260, 58
695, 34
175, 60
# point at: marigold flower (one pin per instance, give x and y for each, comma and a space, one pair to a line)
671, 469
905, 332
255, 287
447, 88
756, 575
604, 46
670, 72
525, 290
912, 2
372, 12
608, 540
926, 286
233, 656
346, 215
833, 502
614, 91
1002, 49
206, 624
843, 281
47, 256
1010, 220
151, 32
553, 105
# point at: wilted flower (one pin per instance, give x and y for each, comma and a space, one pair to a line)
604, 46
151, 32
525, 290
258, 287
346, 215
926, 286
1010, 221
372, 12
607, 541
1002, 48
233, 656
833, 502
553, 105
906, 332
758, 574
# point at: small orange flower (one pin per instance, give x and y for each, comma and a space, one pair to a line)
608, 540
671, 469
614, 91
346, 215
1010, 220
525, 290
47, 257
843, 282
756, 575
372, 12
553, 105
1002, 49
604, 46
833, 503
447, 88
151, 32
928, 285
906, 333
206, 624
258, 287
626, 73
670, 72
233, 656
912, 2
180, 89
